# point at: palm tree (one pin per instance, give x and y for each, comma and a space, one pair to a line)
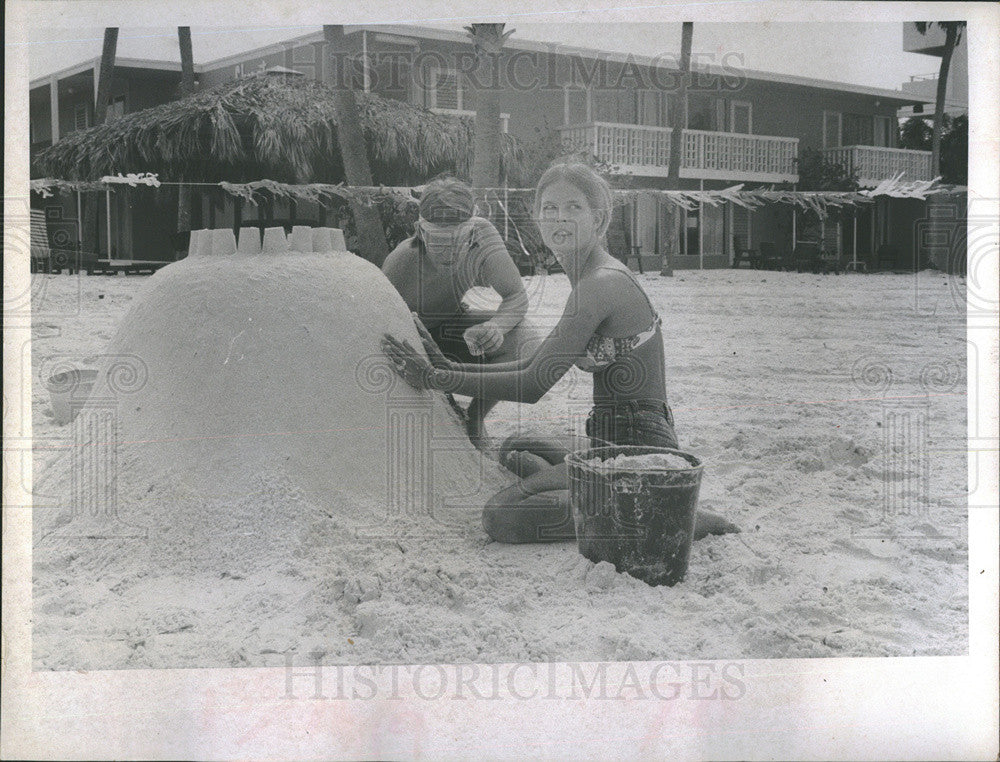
952, 34
187, 87
107, 73
915, 134
487, 40
678, 122
105, 77
354, 154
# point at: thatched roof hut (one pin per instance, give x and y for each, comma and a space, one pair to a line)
268, 125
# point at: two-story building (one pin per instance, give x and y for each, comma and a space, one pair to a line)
743, 126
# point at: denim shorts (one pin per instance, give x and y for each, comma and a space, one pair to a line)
632, 422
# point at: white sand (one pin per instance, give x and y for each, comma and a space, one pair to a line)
649, 462
854, 543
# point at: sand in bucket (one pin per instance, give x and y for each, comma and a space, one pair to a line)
635, 507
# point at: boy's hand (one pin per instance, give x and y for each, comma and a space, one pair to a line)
484, 338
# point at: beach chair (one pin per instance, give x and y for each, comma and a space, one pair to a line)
741, 253
770, 257
806, 256
829, 261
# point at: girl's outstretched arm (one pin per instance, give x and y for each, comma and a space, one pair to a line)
584, 312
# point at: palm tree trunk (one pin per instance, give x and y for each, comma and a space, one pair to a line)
678, 122
951, 36
107, 74
187, 60
105, 77
354, 154
486, 147
187, 87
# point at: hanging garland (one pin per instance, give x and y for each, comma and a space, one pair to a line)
815, 201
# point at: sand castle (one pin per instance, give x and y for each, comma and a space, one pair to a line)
256, 359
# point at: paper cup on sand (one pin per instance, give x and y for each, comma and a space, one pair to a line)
223, 242
337, 239
275, 241
199, 242
301, 239
249, 244
68, 392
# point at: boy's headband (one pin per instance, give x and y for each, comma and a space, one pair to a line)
447, 208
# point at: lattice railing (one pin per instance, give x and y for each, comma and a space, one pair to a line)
873, 164
717, 155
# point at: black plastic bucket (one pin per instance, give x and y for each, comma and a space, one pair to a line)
639, 519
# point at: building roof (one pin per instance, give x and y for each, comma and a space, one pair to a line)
92, 63
405, 32
265, 125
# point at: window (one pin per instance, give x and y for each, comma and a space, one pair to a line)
443, 89
703, 112
614, 106
652, 108
116, 108
445, 92
80, 117
390, 76
858, 130
883, 131
741, 117
831, 129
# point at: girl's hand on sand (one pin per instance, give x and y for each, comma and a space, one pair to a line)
437, 358
483, 338
413, 368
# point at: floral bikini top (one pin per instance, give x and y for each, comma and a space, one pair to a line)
601, 351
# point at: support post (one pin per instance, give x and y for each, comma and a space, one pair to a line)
701, 229
54, 107
79, 220
854, 258
107, 217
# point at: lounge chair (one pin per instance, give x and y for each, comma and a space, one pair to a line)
741, 253
771, 258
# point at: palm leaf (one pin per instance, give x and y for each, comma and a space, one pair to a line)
273, 126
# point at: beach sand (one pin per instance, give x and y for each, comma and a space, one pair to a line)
829, 411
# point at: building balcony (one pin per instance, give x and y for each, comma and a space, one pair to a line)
645, 152
873, 164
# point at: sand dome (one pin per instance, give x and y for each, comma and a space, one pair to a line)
237, 364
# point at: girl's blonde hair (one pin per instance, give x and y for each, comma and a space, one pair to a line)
594, 188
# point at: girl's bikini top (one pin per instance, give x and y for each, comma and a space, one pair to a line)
603, 350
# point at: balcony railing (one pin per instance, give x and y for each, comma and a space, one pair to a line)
873, 164
645, 151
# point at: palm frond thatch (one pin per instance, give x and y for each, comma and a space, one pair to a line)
267, 126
